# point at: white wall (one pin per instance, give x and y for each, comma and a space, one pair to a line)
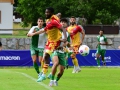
6, 16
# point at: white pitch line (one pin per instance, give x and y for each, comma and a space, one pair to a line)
42, 84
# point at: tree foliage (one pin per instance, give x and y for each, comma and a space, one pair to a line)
105, 11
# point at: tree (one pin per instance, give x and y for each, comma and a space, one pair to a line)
104, 11
31, 10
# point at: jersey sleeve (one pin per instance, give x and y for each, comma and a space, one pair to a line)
53, 23
98, 38
56, 24
32, 29
79, 28
105, 39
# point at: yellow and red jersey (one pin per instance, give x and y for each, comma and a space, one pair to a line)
74, 31
53, 28
53, 33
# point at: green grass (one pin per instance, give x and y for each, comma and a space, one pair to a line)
18, 31
16, 34
89, 78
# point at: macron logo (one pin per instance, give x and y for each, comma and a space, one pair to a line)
9, 57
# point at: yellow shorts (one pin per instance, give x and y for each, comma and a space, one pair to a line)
76, 49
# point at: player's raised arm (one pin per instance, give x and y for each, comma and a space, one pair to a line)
36, 33
31, 31
40, 31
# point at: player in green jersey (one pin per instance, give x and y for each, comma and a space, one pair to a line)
37, 44
101, 48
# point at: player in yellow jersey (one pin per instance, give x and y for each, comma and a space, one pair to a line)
53, 30
74, 30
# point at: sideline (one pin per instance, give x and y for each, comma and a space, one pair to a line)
42, 84
30, 77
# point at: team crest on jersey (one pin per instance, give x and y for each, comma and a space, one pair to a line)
48, 22
74, 29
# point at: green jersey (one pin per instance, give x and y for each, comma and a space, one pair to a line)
102, 40
37, 41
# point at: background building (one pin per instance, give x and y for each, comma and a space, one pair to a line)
6, 16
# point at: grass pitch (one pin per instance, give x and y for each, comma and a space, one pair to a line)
90, 78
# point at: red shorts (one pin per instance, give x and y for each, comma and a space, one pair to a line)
51, 46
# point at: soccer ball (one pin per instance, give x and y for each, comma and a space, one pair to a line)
84, 50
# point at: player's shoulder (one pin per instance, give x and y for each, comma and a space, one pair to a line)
98, 36
55, 22
104, 36
80, 26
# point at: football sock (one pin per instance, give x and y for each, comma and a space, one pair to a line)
58, 76
98, 62
42, 63
75, 61
52, 77
36, 67
45, 68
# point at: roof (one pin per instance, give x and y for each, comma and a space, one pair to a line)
11, 1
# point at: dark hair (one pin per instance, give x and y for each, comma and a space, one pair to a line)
64, 20
102, 30
40, 18
73, 17
50, 9
68, 45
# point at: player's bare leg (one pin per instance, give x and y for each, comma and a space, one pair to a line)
104, 63
54, 69
75, 63
59, 75
98, 60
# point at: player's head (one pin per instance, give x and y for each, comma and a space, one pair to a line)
40, 21
101, 32
64, 22
49, 12
72, 20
